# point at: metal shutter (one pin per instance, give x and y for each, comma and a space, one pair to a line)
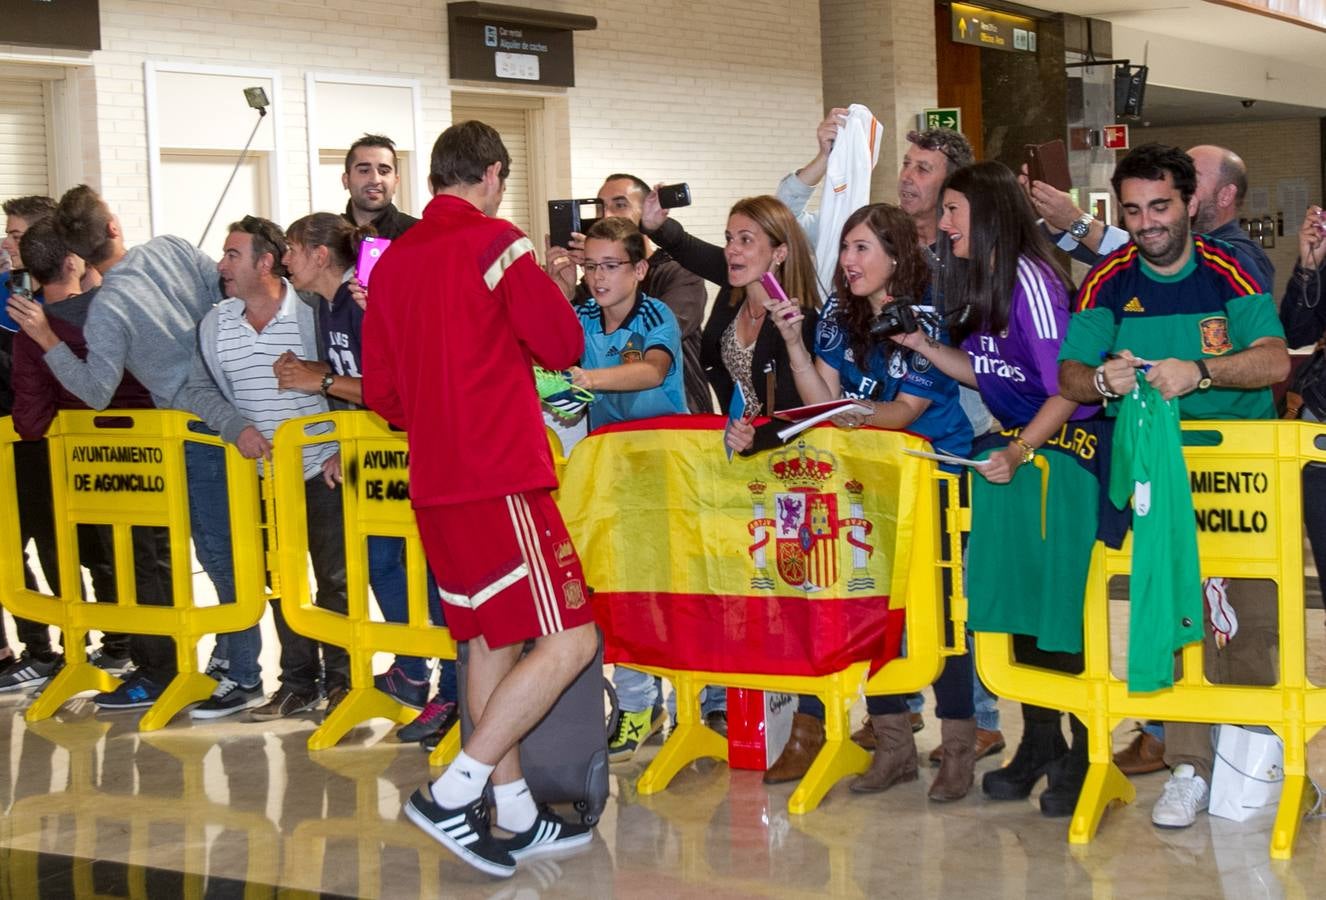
513, 126
24, 164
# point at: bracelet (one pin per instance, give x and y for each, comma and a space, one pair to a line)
1101, 387
1028, 451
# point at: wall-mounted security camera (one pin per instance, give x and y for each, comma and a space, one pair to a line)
1248, 104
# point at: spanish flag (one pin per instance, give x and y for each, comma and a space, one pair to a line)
790, 562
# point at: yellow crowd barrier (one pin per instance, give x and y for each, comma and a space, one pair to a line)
125, 469
376, 503
1248, 499
660, 471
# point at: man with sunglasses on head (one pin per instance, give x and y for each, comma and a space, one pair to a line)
234, 389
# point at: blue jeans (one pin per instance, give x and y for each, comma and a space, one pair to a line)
638, 691
209, 519
386, 574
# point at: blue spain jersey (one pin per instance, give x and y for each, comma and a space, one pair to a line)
649, 324
890, 370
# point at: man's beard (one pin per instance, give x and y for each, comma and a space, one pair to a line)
1204, 221
1169, 252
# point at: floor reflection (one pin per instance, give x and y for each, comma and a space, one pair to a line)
92, 808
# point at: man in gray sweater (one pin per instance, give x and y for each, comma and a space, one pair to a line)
144, 319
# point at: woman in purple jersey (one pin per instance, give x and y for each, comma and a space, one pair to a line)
1000, 272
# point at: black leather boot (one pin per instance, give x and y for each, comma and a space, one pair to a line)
1042, 743
1066, 775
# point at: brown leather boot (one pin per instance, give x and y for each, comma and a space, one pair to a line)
864, 737
958, 760
803, 745
895, 755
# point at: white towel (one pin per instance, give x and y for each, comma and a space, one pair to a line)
846, 185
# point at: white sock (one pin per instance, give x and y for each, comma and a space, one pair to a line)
462, 783
516, 811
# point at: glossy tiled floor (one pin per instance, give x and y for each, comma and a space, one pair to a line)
92, 808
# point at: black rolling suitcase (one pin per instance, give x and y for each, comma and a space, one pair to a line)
565, 757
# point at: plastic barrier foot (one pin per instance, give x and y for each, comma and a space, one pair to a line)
74, 679
689, 741
447, 748
1104, 787
360, 705
185, 689
836, 760
1289, 816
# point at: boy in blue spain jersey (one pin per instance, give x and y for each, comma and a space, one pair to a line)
633, 364
632, 360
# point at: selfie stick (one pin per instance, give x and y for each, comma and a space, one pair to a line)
261, 106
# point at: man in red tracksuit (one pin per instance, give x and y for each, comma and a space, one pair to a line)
459, 311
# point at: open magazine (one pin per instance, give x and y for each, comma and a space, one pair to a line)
803, 417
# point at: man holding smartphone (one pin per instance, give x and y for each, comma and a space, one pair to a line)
681, 291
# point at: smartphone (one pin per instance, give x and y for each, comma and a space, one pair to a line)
671, 196
20, 284
370, 251
775, 290
566, 216
1049, 163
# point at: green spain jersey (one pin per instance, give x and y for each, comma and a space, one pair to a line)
1210, 308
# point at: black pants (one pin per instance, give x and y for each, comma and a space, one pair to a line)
1026, 652
155, 654
1314, 513
36, 522
300, 663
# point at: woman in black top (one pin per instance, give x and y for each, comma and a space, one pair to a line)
739, 344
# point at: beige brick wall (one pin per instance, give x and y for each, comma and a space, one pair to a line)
1285, 149
683, 91
881, 53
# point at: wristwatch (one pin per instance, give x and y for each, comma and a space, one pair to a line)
1204, 375
1081, 226
327, 381
1028, 451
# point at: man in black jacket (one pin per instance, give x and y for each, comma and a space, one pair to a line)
371, 177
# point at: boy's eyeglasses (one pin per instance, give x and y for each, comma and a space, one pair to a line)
608, 265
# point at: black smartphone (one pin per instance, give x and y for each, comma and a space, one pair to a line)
670, 196
566, 216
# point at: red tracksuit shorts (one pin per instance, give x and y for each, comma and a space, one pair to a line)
506, 568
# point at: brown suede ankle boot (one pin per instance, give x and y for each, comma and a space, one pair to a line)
895, 755
958, 761
803, 745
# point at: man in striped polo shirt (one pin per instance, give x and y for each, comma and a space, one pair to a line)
233, 389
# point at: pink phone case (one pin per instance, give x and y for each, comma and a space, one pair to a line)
774, 289
370, 251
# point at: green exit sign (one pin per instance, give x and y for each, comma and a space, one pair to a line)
945, 117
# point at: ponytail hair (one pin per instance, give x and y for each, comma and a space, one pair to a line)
336, 233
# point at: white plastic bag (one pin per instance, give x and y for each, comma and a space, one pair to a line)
1248, 773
